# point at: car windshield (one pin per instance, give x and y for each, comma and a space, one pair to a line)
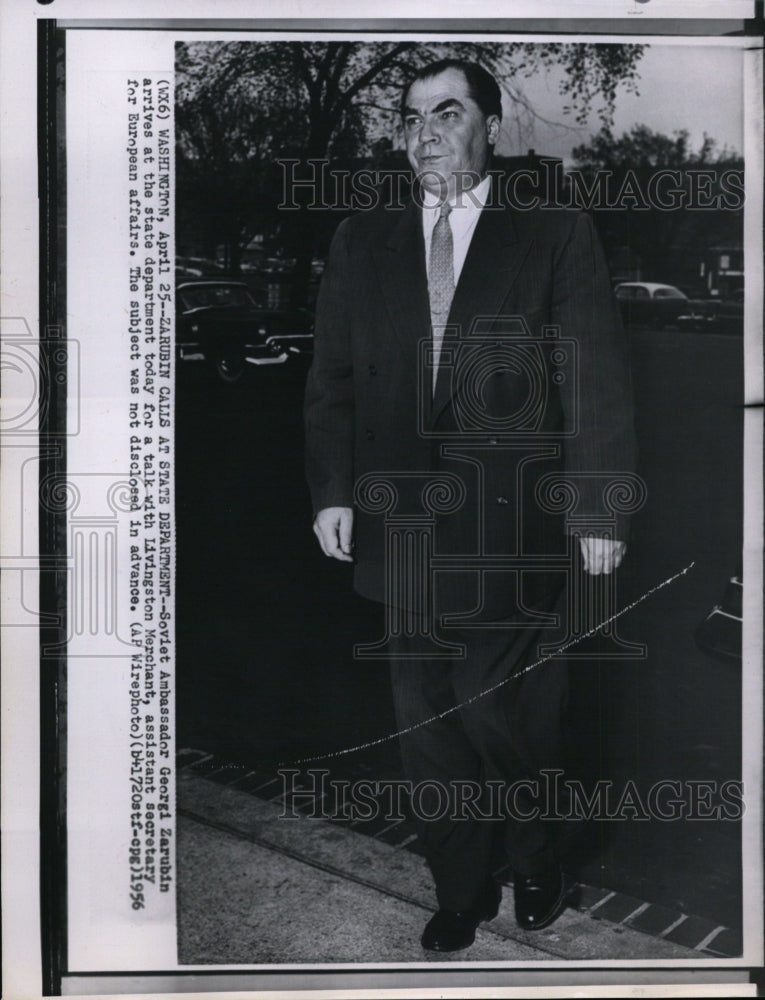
668, 292
631, 292
199, 296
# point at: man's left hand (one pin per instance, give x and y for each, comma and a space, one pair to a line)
601, 555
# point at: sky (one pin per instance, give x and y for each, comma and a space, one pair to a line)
693, 87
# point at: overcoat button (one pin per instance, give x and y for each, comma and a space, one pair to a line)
493, 441
372, 370
502, 501
370, 436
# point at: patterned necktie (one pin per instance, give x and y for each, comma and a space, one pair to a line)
440, 281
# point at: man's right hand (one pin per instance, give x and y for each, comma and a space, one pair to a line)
333, 526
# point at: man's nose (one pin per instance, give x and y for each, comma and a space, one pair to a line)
428, 133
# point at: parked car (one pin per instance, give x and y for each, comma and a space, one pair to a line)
222, 323
197, 267
297, 346
654, 304
724, 314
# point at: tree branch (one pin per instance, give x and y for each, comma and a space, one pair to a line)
366, 78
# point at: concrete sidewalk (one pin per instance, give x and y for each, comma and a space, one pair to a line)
256, 888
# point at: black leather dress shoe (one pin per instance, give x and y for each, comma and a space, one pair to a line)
538, 898
451, 930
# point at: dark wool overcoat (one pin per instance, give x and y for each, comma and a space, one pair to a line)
528, 436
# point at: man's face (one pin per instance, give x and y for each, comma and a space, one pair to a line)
446, 132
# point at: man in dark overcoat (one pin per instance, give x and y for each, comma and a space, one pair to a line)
470, 384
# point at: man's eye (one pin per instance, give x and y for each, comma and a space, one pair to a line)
448, 114
411, 122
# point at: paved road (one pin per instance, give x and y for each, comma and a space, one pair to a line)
266, 624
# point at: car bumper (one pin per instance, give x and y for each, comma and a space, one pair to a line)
253, 354
270, 359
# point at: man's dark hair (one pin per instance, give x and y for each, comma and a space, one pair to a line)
482, 86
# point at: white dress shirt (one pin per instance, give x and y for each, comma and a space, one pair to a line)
462, 220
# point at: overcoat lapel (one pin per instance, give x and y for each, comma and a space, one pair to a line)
400, 265
492, 264
495, 256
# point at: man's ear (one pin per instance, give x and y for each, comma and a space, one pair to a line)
492, 128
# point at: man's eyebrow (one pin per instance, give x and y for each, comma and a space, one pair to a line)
448, 103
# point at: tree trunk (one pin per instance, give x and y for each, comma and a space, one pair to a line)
301, 276
317, 149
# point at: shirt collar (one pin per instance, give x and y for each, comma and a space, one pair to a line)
474, 199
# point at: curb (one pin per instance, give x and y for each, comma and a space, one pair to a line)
616, 908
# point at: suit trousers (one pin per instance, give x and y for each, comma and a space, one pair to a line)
493, 717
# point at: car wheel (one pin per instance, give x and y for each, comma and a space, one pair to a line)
229, 367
